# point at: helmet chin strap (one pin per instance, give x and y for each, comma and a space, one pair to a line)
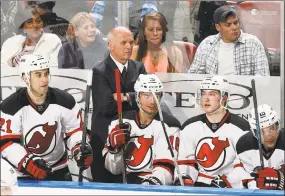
31, 92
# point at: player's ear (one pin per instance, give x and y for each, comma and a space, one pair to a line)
110, 45
218, 27
24, 77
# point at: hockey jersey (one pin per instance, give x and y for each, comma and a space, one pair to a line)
43, 130
147, 151
208, 150
247, 150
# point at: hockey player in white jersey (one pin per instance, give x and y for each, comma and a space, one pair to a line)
38, 123
148, 159
207, 153
272, 138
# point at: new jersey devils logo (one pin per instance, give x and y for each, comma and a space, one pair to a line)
41, 139
139, 152
211, 152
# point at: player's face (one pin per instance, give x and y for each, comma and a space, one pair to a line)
210, 100
121, 46
39, 82
147, 102
269, 136
153, 32
34, 27
86, 32
230, 29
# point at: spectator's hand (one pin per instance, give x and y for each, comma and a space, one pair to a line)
16, 59
34, 166
269, 178
85, 158
118, 137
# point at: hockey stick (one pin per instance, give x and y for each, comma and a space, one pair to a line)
120, 116
87, 102
257, 123
167, 139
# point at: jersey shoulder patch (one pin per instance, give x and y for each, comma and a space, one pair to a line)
15, 102
247, 142
62, 98
201, 117
170, 120
239, 122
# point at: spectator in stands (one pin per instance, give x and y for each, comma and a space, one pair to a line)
8, 13
106, 14
153, 50
230, 51
52, 23
85, 46
120, 44
31, 39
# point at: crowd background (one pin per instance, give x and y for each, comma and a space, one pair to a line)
188, 22
180, 26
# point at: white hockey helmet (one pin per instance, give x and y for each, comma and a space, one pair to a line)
267, 117
32, 62
214, 83
147, 83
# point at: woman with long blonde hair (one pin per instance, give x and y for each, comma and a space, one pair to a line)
85, 46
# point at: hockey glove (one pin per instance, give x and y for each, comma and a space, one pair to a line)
119, 136
151, 180
85, 158
34, 166
186, 179
269, 178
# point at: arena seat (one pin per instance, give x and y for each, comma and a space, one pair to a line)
262, 19
188, 51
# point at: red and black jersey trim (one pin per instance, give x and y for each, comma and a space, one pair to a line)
215, 126
192, 163
8, 140
166, 164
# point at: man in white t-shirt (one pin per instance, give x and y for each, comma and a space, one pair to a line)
230, 51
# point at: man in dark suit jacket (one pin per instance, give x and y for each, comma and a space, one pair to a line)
120, 44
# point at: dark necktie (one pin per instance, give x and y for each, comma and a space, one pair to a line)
124, 75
